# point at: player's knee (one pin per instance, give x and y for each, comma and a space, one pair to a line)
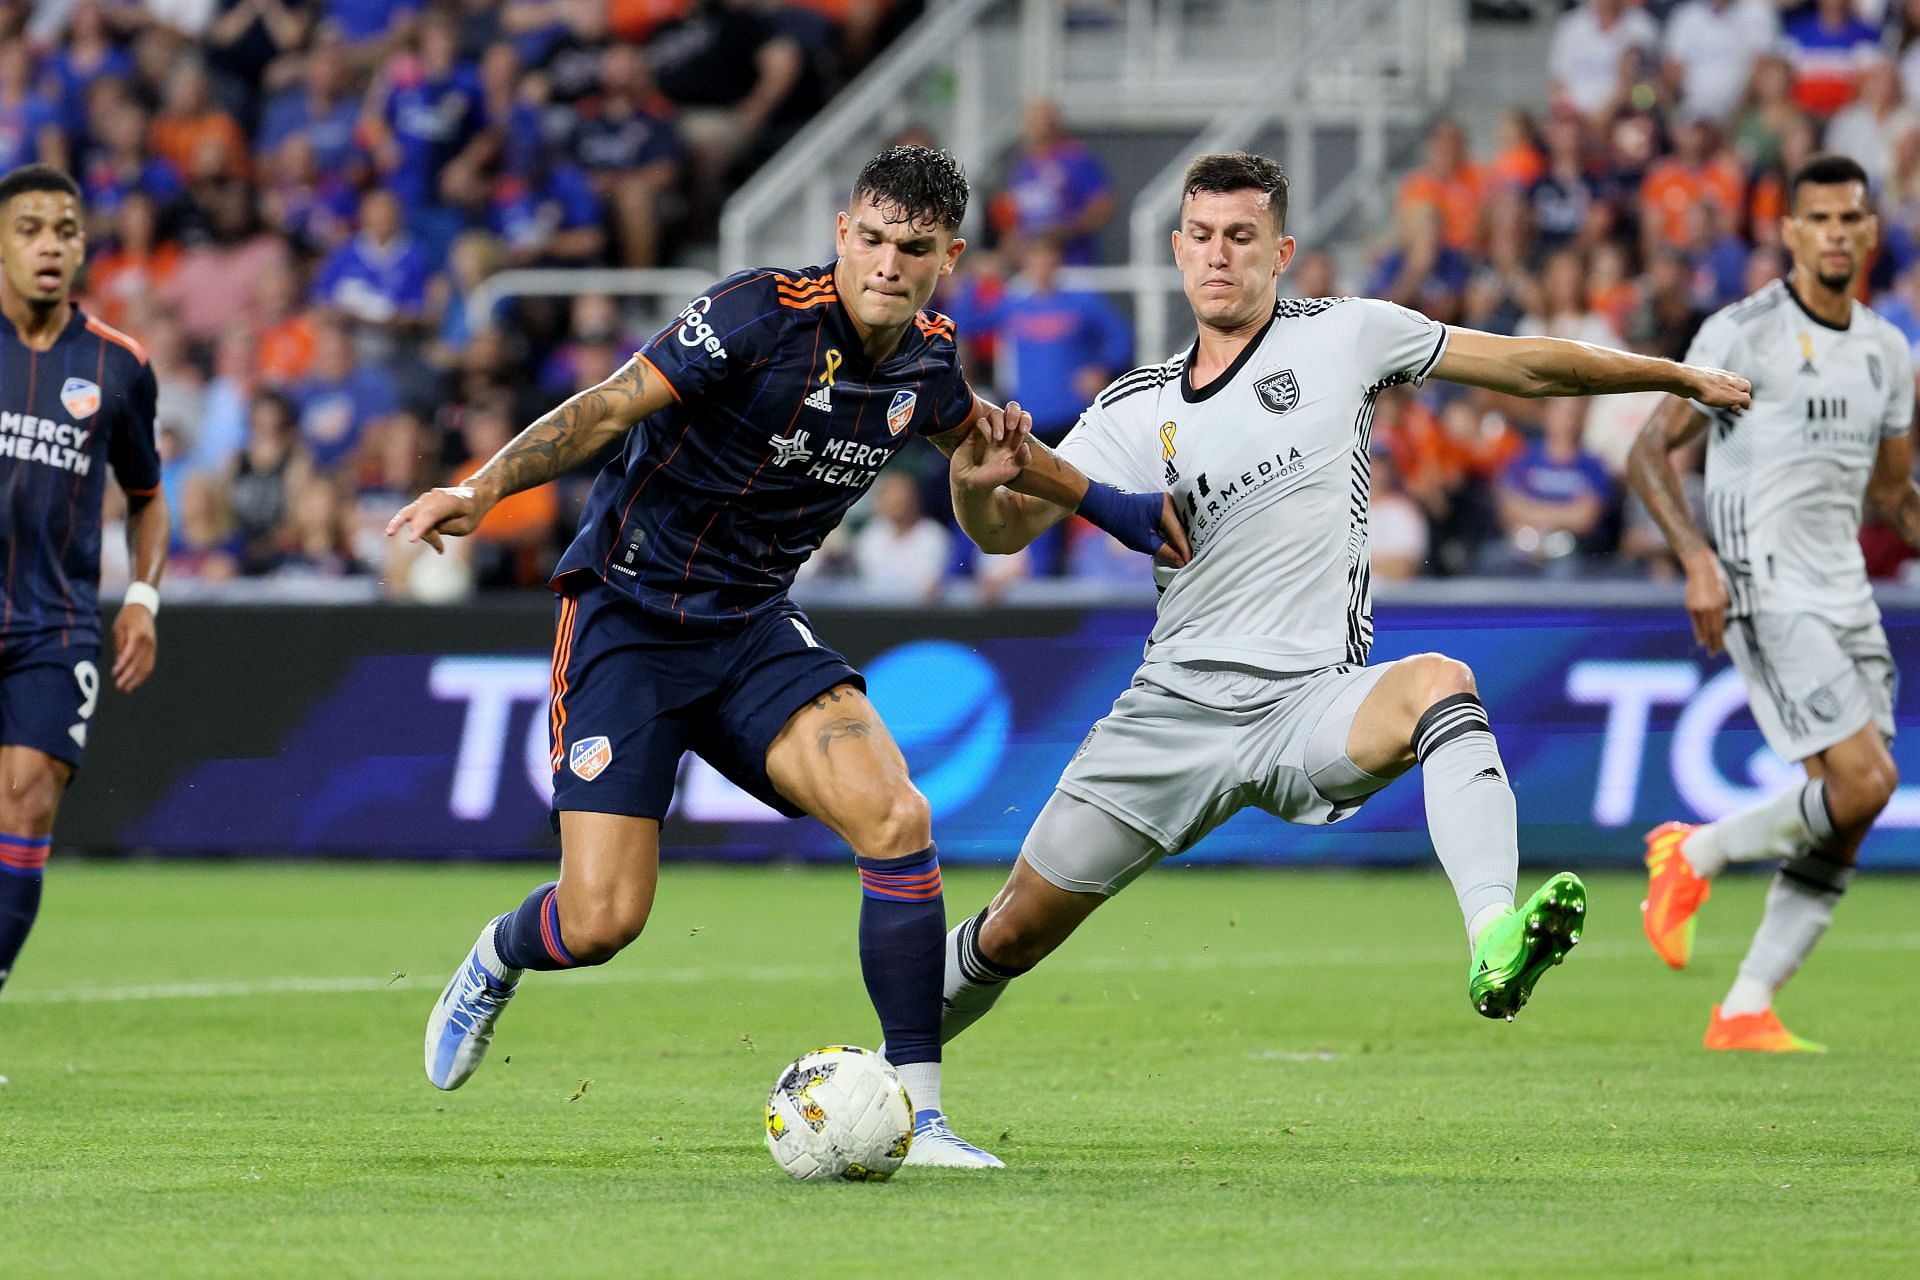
599, 931
1441, 677
1012, 941
900, 824
1857, 796
28, 798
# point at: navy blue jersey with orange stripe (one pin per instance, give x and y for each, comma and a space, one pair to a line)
67, 415
780, 424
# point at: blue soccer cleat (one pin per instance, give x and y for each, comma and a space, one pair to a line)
461, 1025
936, 1146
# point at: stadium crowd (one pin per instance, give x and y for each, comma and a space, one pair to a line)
291, 203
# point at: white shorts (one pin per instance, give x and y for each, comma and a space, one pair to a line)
1189, 746
1812, 684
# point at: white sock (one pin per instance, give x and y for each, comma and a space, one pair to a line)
1749, 995
1470, 809
1484, 917
923, 1085
1782, 826
490, 959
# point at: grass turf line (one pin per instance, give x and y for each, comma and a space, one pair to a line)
1226, 1073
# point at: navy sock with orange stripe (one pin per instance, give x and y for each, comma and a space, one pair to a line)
528, 937
903, 951
23, 861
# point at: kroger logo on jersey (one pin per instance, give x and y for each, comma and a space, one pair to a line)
694, 331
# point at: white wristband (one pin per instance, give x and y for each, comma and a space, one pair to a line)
144, 594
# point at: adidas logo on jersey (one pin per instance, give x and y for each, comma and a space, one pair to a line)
821, 400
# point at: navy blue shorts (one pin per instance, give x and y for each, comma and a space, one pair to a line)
631, 696
48, 692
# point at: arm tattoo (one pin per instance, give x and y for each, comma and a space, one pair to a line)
1904, 515
561, 440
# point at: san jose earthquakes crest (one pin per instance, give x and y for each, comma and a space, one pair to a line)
1279, 392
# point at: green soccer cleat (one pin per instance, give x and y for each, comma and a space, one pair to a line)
1514, 951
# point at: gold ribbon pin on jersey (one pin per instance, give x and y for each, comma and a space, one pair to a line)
1167, 432
833, 365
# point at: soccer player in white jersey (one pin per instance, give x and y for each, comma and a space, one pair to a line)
1255, 688
1778, 579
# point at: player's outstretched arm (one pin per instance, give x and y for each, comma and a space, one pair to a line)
1558, 367
1009, 488
555, 444
1676, 423
136, 640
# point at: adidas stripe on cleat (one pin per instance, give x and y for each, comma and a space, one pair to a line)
1514, 952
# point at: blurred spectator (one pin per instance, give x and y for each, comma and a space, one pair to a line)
379, 278
134, 264
1422, 271
118, 164
266, 475
285, 336
1397, 528
244, 39
546, 213
370, 24
1769, 113
222, 430
311, 207
1831, 48
1096, 556
29, 123
629, 146
1562, 309
1446, 465
204, 545
1057, 189
1590, 44
1694, 174
635, 21
1312, 275
318, 542
192, 133
742, 87
1055, 348
1711, 48
321, 108
426, 133
1869, 129
1563, 198
901, 554
339, 399
1553, 500
474, 257
1612, 292
181, 399
513, 545
1448, 181
86, 55
1518, 160
219, 276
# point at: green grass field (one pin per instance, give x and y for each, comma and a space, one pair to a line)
216, 1072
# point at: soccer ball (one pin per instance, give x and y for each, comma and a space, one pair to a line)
839, 1112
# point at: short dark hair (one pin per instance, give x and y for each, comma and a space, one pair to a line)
1231, 171
919, 184
36, 177
1826, 169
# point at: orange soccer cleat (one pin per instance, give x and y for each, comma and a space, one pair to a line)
1759, 1032
1674, 894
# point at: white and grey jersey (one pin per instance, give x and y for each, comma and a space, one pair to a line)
1786, 479
1269, 466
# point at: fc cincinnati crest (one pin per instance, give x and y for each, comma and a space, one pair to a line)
900, 412
1278, 391
81, 397
590, 757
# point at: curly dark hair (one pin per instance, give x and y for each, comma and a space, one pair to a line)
37, 177
1230, 171
912, 184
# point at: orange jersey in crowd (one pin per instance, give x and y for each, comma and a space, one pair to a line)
1457, 196
1670, 191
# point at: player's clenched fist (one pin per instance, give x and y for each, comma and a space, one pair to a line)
1718, 389
454, 511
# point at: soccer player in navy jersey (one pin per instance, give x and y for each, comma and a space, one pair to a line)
76, 400
751, 422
